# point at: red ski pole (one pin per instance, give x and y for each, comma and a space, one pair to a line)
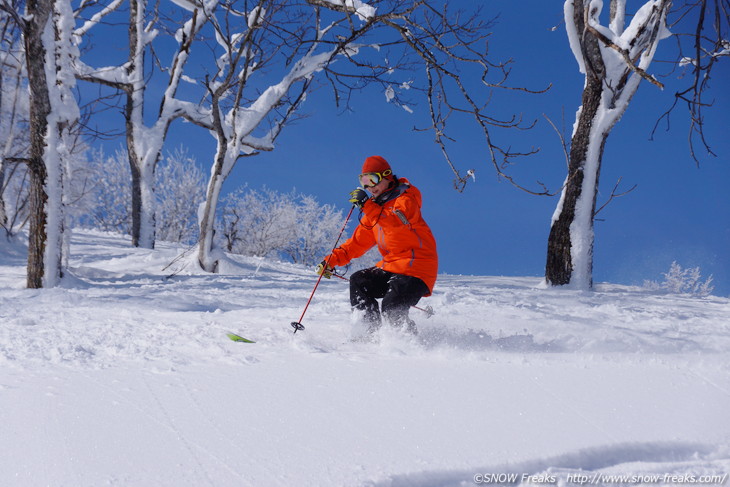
297, 325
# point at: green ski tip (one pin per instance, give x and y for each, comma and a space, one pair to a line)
238, 338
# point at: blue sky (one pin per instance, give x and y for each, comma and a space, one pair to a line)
678, 212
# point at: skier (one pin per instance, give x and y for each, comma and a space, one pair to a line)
391, 218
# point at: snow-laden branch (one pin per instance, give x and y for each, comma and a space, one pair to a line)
725, 51
171, 107
361, 9
114, 76
95, 19
240, 122
251, 117
623, 51
574, 37
618, 16
637, 42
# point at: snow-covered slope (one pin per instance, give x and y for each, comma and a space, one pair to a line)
124, 376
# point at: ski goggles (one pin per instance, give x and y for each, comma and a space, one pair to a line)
370, 179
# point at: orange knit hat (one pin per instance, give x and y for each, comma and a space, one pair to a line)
377, 164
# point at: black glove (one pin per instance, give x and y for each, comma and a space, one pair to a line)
358, 197
324, 270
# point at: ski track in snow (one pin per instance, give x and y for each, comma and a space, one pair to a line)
123, 376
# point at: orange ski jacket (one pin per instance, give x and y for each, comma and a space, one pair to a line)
403, 238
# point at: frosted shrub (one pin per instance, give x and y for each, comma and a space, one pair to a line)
268, 223
107, 203
682, 281
179, 188
315, 228
256, 223
110, 209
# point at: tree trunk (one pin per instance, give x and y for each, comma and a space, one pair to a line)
559, 267
136, 195
40, 107
579, 186
50, 56
138, 149
206, 259
3, 213
143, 208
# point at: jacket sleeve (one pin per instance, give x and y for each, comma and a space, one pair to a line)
361, 241
407, 208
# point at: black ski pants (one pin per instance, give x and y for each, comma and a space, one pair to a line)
398, 291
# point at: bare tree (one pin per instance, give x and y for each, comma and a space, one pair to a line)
267, 65
235, 114
615, 58
49, 55
145, 141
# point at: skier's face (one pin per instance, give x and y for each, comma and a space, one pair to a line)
379, 188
